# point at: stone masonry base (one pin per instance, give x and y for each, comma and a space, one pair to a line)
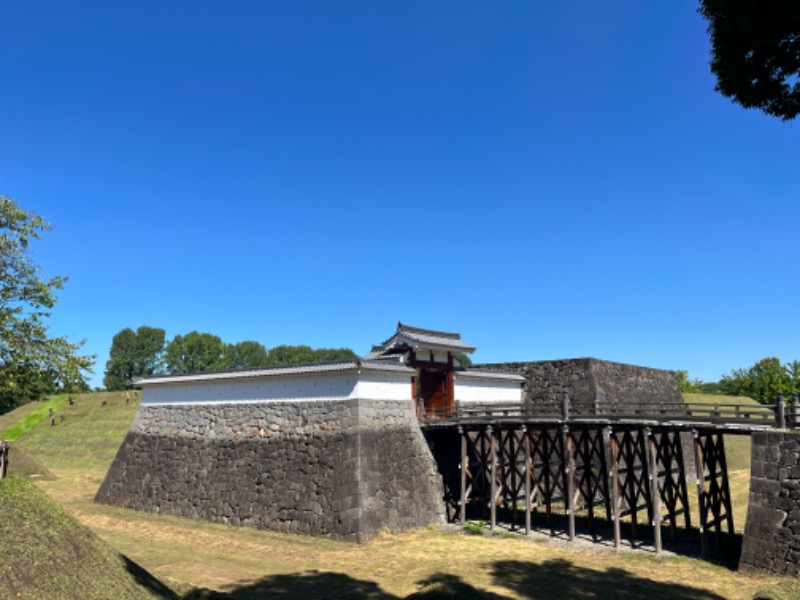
345, 469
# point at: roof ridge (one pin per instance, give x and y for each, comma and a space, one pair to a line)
408, 328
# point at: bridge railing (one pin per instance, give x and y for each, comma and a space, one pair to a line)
780, 415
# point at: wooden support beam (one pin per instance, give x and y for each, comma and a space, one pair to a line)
514, 448
463, 507
700, 468
725, 488
615, 497
493, 476
569, 474
655, 494
5, 449
528, 476
484, 468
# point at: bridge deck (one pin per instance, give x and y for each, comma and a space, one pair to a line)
725, 418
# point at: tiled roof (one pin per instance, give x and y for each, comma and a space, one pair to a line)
425, 337
282, 370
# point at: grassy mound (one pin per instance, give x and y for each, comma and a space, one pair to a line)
87, 438
46, 553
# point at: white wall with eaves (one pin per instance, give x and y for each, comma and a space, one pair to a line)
316, 386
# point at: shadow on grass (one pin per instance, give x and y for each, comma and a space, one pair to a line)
310, 585
315, 585
442, 586
148, 581
560, 578
557, 578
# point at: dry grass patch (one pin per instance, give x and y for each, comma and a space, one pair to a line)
206, 560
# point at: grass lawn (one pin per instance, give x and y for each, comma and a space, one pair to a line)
195, 557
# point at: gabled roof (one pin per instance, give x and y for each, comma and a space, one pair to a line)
407, 337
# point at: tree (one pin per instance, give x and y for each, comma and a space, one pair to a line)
195, 353
245, 355
686, 385
755, 53
464, 360
290, 355
132, 355
763, 381
30, 360
332, 354
295, 355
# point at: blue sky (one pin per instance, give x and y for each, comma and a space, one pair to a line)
551, 181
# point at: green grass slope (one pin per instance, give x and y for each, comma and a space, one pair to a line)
45, 553
87, 438
11, 418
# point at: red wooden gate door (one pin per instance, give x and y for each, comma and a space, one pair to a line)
433, 391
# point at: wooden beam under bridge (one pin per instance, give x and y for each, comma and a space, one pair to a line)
510, 471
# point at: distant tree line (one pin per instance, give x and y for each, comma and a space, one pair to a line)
146, 352
762, 382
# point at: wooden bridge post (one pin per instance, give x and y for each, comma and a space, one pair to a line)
528, 476
700, 467
509, 450
615, 497
569, 473
655, 495
4, 452
464, 458
493, 475
780, 412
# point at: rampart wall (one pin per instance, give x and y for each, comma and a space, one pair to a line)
772, 531
591, 381
345, 469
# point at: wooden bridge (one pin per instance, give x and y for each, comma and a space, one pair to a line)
613, 462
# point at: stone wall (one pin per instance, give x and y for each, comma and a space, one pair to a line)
345, 469
772, 531
591, 383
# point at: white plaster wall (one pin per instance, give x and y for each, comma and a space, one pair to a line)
426, 353
483, 392
321, 386
384, 386
440, 357
317, 386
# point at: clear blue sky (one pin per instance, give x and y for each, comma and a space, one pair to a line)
551, 180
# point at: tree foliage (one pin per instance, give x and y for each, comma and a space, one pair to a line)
245, 355
755, 53
195, 352
31, 361
134, 354
464, 360
763, 381
295, 355
142, 353
332, 354
290, 355
686, 385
